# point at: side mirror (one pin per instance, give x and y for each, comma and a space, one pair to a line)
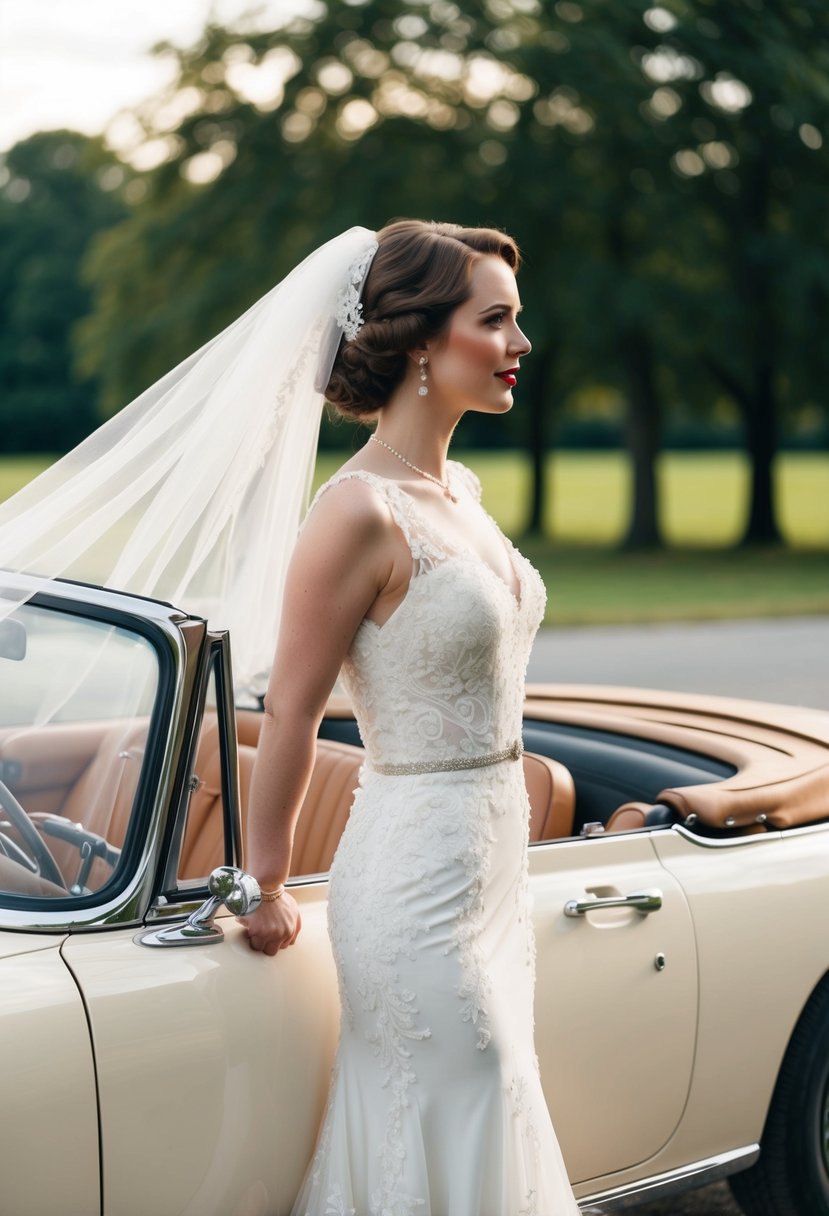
12, 640
238, 891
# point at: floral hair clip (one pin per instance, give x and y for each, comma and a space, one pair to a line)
349, 313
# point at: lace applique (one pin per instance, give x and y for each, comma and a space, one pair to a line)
443, 677
399, 1204
349, 312
523, 899
523, 1110
425, 553
335, 1204
474, 856
376, 931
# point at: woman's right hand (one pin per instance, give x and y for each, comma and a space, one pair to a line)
274, 925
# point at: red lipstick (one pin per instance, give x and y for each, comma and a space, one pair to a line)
509, 376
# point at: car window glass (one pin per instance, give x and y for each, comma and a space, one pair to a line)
203, 847
76, 695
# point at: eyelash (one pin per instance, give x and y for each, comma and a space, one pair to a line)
497, 318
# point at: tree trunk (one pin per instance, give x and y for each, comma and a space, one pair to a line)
538, 439
758, 412
761, 442
760, 407
642, 414
643, 434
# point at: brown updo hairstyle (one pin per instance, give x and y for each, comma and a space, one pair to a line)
420, 274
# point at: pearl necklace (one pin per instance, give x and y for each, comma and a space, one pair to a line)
444, 485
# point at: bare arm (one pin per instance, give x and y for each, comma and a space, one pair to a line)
345, 558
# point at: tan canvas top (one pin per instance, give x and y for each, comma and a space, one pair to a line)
781, 753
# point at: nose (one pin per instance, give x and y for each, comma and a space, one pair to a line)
521, 344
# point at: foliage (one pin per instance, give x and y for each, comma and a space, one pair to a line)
663, 166
57, 189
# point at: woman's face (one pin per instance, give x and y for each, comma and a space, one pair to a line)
474, 364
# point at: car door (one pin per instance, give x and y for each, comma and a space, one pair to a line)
212, 1061
212, 1064
49, 1121
73, 684
201, 1070
616, 1000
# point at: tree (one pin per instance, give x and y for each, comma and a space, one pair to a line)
59, 189
374, 117
749, 83
603, 135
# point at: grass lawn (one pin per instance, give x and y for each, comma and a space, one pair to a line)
16, 471
586, 586
703, 504
703, 495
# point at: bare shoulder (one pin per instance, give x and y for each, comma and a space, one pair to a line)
348, 524
349, 503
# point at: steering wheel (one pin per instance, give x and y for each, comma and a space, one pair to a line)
46, 866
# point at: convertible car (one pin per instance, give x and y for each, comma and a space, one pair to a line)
153, 1064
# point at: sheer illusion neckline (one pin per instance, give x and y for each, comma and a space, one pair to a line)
461, 550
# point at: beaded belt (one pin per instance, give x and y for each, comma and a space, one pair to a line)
513, 752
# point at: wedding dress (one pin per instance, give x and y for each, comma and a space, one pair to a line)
436, 1106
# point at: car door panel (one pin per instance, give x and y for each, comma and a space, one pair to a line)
757, 901
49, 1149
213, 1066
615, 1035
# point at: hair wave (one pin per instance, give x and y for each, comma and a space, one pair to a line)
419, 276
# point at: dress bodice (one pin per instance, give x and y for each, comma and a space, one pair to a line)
443, 678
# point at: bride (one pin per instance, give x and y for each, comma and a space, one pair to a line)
401, 579
194, 494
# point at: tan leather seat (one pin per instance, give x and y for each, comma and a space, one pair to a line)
328, 801
552, 794
203, 846
102, 797
628, 817
326, 806
20, 881
321, 821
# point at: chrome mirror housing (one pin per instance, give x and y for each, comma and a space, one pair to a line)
228, 885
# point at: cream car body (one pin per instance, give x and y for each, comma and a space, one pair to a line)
676, 950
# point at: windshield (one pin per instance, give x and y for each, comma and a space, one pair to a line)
76, 696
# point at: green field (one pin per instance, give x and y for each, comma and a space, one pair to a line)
703, 499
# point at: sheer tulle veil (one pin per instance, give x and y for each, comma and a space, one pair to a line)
194, 492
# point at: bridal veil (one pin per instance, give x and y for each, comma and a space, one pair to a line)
194, 492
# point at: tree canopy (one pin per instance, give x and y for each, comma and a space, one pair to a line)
663, 167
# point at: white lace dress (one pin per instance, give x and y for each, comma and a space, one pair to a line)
436, 1107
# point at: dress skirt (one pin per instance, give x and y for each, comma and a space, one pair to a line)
436, 1106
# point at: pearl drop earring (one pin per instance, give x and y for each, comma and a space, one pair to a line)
423, 391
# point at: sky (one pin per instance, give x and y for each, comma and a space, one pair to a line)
76, 63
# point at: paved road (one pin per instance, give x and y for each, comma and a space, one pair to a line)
770, 660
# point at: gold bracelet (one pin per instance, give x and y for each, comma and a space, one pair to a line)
271, 896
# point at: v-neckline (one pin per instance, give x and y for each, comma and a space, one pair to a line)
463, 550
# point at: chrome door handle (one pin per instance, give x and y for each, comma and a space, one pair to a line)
642, 901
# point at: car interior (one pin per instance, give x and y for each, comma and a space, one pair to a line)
582, 780
75, 726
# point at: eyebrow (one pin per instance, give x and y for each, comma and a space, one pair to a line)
504, 307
